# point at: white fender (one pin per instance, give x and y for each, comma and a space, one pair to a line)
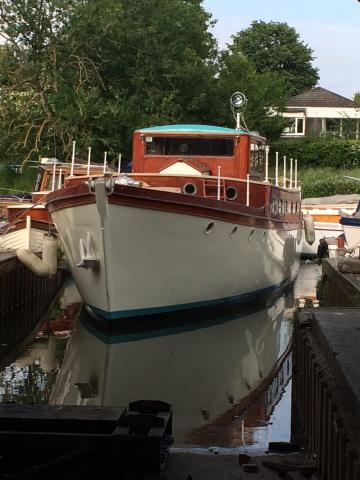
49, 254
309, 229
32, 262
45, 267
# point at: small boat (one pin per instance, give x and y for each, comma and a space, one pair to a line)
197, 224
326, 213
351, 228
27, 220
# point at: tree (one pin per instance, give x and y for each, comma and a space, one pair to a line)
276, 47
264, 92
357, 99
93, 70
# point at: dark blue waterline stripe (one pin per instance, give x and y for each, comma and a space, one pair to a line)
352, 221
243, 298
164, 331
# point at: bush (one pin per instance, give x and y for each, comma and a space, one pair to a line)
321, 152
322, 182
11, 179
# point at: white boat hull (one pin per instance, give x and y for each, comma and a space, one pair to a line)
154, 261
352, 235
23, 238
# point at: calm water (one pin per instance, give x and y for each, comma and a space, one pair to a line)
228, 379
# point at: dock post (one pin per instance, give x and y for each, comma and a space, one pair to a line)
291, 173
284, 177
296, 172
277, 169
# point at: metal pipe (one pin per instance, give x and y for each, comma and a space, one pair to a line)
27, 235
284, 176
105, 162
247, 189
60, 178
291, 172
277, 169
219, 183
89, 161
72, 159
53, 177
119, 164
267, 150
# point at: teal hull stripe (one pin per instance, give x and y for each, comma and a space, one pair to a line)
244, 298
165, 331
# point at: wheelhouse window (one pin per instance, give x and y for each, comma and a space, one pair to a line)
209, 147
257, 158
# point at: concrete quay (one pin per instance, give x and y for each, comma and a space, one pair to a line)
326, 389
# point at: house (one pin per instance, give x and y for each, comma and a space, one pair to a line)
319, 112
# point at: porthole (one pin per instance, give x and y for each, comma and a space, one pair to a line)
233, 232
190, 189
231, 193
264, 234
251, 233
209, 228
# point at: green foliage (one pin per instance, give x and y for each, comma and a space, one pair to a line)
322, 152
13, 179
94, 70
276, 47
322, 182
357, 99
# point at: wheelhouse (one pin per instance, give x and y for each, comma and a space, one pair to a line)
199, 149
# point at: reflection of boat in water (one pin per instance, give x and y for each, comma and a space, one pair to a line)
203, 369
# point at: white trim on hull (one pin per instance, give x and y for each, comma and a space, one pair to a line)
151, 261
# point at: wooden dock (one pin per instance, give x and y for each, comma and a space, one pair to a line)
339, 289
72, 441
24, 299
326, 389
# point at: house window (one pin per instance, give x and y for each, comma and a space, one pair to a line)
296, 126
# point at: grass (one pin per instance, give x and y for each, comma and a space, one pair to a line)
321, 182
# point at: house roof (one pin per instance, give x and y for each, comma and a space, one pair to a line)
319, 97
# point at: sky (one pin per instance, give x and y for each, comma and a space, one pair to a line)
331, 28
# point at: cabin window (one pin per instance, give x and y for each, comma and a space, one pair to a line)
210, 147
257, 158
